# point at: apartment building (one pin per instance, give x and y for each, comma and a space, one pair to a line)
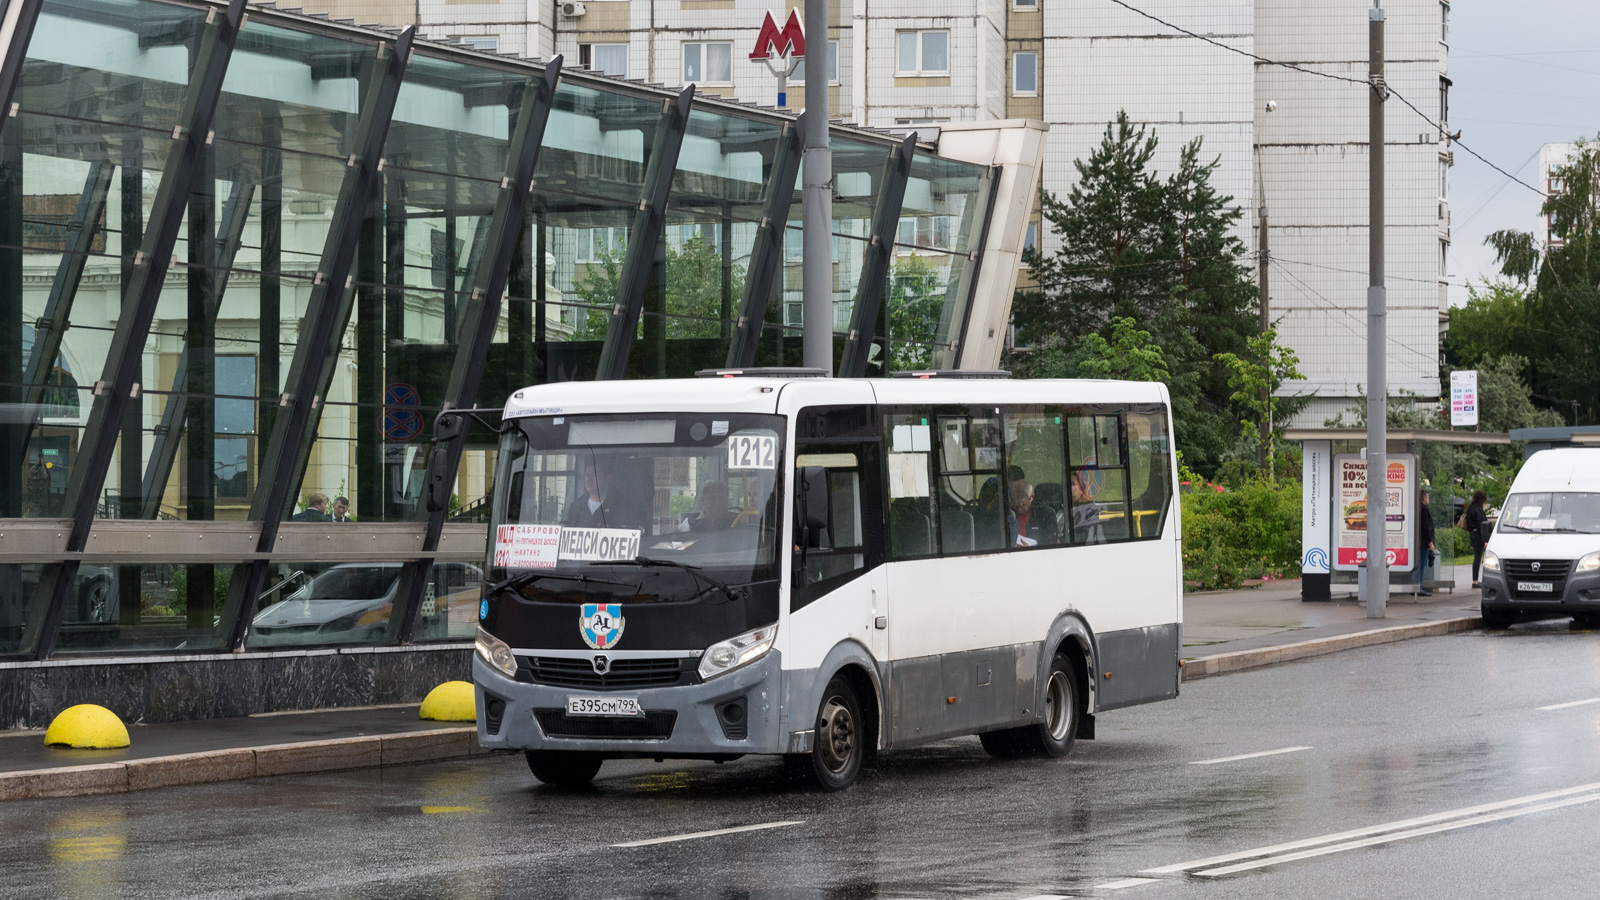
1187, 69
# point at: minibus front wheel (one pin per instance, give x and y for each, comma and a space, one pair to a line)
839, 745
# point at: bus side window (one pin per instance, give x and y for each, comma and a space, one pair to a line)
1097, 495
1150, 470
829, 534
911, 508
1037, 481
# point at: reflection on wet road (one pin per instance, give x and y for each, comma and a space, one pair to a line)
1461, 766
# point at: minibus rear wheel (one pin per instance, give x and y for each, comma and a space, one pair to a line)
564, 768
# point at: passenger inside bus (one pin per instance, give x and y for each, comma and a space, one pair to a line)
714, 513
1086, 525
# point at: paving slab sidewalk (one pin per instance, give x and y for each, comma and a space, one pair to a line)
1223, 631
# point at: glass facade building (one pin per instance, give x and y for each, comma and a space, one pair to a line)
247, 256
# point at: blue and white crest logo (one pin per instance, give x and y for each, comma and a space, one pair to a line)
601, 624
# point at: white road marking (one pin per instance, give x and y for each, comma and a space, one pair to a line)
1125, 883
1212, 762
705, 834
1397, 835
1048, 897
1592, 788
1569, 705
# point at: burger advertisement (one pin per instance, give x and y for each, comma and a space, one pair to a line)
1352, 517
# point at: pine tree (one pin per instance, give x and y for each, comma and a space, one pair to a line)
1113, 247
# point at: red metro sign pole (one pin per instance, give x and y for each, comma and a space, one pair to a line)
781, 49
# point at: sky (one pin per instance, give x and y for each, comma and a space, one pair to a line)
1525, 74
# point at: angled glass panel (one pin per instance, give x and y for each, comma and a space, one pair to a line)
718, 193
944, 205
585, 197
923, 306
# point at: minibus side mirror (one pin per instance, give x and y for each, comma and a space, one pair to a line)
448, 427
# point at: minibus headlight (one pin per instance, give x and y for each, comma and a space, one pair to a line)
1589, 563
725, 656
496, 653
1490, 561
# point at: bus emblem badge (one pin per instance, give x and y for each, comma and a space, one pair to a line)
601, 624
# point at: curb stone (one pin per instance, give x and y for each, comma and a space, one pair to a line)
240, 763
1223, 663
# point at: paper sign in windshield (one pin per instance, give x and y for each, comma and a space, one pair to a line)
526, 546
599, 544
752, 451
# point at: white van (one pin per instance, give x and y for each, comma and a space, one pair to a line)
1544, 557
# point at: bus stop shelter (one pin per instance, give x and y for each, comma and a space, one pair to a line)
1332, 460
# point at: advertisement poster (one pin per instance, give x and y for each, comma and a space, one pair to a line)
1351, 517
1316, 506
1463, 398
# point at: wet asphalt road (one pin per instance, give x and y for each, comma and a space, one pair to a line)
1419, 729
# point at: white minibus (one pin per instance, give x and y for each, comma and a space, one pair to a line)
765, 561
1544, 557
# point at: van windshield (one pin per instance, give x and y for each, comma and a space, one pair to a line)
1557, 512
698, 489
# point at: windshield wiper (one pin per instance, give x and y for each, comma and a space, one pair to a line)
695, 572
523, 578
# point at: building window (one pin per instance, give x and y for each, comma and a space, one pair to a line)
1030, 238
1444, 254
924, 121
922, 53
1444, 179
708, 63
923, 231
1444, 101
599, 244
607, 59
1025, 74
1025, 5
1444, 23
799, 74
481, 42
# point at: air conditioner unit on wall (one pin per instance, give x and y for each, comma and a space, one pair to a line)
573, 9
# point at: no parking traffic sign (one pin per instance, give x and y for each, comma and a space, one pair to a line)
401, 421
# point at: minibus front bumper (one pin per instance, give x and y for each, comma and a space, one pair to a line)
682, 720
1575, 594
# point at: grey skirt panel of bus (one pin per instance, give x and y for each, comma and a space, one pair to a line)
935, 697
1138, 665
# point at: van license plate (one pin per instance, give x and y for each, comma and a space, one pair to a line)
1544, 586
604, 706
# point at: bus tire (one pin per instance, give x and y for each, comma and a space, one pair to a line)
839, 742
564, 768
1495, 620
1052, 738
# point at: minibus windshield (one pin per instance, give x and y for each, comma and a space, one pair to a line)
1558, 512
573, 493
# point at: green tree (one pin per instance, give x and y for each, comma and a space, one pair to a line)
1129, 355
1161, 253
1114, 243
1559, 322
692, 281
1255, 378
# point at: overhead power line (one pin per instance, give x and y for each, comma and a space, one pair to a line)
1345, 78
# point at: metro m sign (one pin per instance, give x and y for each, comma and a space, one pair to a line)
790, 40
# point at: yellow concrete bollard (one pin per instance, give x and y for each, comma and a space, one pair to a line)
450, 702
87, 727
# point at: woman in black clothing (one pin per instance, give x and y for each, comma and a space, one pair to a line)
1475, 519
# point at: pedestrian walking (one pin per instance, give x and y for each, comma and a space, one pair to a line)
1473, 520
